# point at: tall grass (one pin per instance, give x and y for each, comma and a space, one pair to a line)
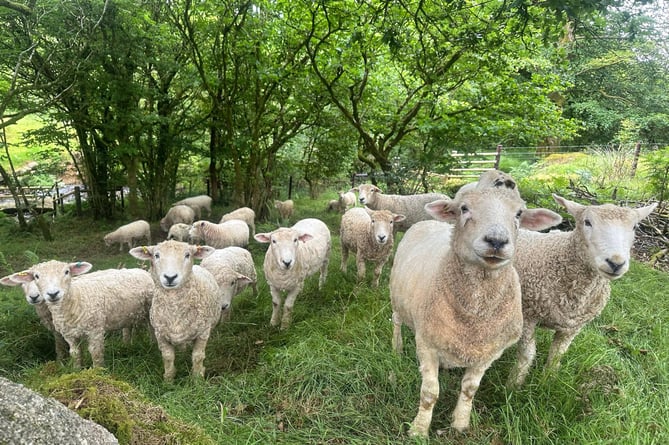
332, 377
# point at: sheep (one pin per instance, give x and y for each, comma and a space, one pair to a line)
234, 270
197, 203
333, 206
179, 232
246, 214
347, 200
177, 214
456, 288
565, 276
285, 208
127, 234
92, 304
368, 234
187, 302
230, 233
294, 254
411, 206
34, 298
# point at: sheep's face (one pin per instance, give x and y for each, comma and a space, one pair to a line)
608, 234
486, 223
382, 223
367, 194
30, 289
52, 278
171, 261
284, 244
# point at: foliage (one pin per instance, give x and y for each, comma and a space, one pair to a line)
657, 172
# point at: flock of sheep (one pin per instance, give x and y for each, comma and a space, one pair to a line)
471, 276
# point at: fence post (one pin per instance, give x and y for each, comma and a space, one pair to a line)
498, 155
77, 199
637, 153
290, 187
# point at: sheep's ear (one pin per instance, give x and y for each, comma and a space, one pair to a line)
441, 209
570, 206
25, 276
398, 218
355, 189
376, 189
201, 252
243, 279
539, 219
305, 237
80, 267
643, 212
7, 281
262, 237
368, 210
142, 252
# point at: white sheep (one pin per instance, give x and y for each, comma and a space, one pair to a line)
34, 298
128, 234
411, 206
456, 288
347, 200
187, 302
565, 276
294, 254
333, 206
246, 214
92, 304
368, 234
234, 270
285, 208
198, 204
234, 232
177, 214
179, 232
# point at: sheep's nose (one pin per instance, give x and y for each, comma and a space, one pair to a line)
170, 278
33, 298
53, 295
615, 267
381, 238
287, 263
362, 200
496, 243
225, 306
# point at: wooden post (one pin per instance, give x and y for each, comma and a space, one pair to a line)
77, 199
290, 187
498, 155
637, 153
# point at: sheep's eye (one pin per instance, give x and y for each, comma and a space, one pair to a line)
273, 241
464, 208
519, 214
36, 276
67, 272
295, 240
587, 223
392, 222
156, 256
187, 256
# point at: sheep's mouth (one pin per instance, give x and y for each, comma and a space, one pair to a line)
493, 260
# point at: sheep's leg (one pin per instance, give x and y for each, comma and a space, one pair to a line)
199, 347
167, 352
360, 264
559, 345
527, 350
377, 271
398, 345
254, 285
61, 346
75, 351
324, 273
468, 387
429, 389
276, 306
96, 347
288, 306
126, 334
344, 258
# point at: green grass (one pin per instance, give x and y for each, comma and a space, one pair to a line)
332, 378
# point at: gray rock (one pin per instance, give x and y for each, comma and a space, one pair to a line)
26, 417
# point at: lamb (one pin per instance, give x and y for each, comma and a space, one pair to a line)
197, 203
285, 208
411, 206
565, 276
333, 206
246, 214
368, 234
456, 288
127, 234
34, 298
347, 200
187, 302
234, 270
177, 214
230, 233
92, 304
294, 254
179, 232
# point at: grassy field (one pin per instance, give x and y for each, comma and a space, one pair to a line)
332, 378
